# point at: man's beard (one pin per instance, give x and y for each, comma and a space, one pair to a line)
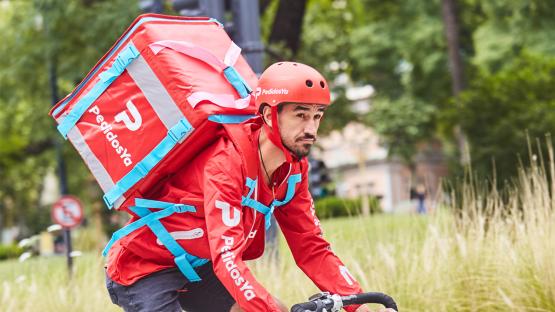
299, 152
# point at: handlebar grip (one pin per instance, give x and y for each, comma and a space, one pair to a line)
370, 297
302, 307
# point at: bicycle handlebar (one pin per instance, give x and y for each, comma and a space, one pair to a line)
306, 306
371, 297
333, 303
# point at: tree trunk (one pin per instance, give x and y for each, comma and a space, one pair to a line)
287, 27
449, 10
449, 13
263, 5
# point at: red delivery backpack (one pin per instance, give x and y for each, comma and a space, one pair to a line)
154, 101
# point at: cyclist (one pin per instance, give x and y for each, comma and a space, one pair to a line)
231, 215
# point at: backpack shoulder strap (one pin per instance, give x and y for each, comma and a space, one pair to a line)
242, 137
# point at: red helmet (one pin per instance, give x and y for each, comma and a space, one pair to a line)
289, 82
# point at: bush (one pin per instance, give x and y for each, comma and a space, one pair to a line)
333, 206
10, 251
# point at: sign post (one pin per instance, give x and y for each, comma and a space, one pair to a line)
68, 212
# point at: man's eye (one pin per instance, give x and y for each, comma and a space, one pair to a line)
301, 115
318, 117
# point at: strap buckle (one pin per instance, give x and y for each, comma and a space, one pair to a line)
179, 132
180, 208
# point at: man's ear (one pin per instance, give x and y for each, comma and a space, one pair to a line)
267, 115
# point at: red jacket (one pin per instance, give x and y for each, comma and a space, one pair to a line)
227, 233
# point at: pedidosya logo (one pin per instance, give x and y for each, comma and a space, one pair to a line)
111, 137
271, 91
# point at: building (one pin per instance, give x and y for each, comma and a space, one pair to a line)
359, 165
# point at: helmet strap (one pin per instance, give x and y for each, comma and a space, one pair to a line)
275, 138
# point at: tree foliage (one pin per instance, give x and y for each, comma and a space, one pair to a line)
72, 36
500, 112
399, 47
396, 46
508, 28
402, 124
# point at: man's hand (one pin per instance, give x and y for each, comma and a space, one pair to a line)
364, 308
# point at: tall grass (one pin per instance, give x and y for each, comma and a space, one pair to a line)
484, 250
42, 284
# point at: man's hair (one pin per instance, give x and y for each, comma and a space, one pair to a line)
261, 108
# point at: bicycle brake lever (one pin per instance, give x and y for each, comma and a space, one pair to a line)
319, 296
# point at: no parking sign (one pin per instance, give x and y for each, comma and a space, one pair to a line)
67, 211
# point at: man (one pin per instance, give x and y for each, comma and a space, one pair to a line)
231, 215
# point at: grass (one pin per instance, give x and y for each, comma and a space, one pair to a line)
42, 284
496, 255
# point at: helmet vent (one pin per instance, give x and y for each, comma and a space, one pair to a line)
280, 64
309, 83
322, 84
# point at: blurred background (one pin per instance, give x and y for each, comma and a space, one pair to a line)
426, 94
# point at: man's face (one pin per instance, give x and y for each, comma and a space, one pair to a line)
298, 126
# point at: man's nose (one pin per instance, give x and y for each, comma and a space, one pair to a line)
311, 127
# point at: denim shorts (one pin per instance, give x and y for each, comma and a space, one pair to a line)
168, 290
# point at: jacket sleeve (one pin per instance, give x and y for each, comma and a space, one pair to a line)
223, 185
312, 253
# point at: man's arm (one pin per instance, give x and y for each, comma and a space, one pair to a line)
311, 251
223, 185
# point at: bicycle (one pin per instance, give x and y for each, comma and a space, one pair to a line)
326, 302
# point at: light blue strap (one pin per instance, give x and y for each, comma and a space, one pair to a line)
176, 250
229, 119
260, 207
248, 201
142, 206
256, 205
268, 218
124, 58
184, 261
291, 183
175, 135
251, 184
131, 227
237, 81
152, 203
140, 211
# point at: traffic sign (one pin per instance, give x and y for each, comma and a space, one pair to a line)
67, 211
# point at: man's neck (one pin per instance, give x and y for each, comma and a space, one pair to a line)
271, 156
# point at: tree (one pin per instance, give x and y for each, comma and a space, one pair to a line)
287, 25
397, 47
402, 125
34, 34
452, 34
508, 28
505, 36
501, 111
